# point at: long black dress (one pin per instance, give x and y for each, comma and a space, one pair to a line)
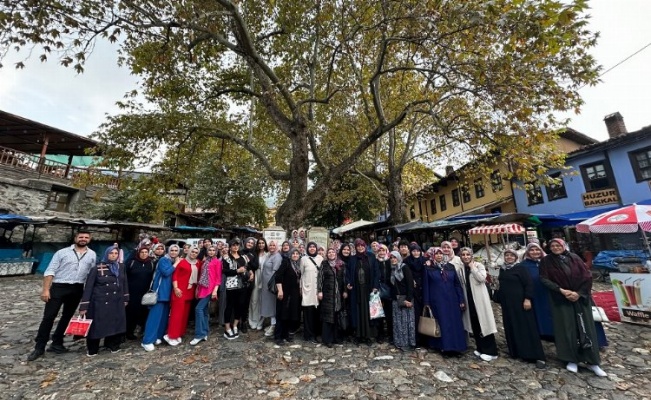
520, 326
139, 275
331, 284
288, 310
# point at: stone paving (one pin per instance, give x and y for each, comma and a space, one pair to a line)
252, 367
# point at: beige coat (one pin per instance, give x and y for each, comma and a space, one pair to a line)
309, 276
479, 294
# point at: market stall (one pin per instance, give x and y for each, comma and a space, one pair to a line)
632, 284
492, 254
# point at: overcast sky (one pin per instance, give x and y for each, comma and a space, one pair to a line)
58, 97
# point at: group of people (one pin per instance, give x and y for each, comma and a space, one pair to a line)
289, 285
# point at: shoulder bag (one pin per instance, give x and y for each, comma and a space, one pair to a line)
151, 297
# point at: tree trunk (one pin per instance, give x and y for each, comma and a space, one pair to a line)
397, 203
291, 214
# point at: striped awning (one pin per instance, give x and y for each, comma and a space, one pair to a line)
491, 229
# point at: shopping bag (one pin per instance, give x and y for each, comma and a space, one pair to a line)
428, 325
79, 326
599, 315
375, 306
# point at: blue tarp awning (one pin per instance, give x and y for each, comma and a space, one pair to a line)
571, 219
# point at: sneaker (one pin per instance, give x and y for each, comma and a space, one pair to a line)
572, 367
229, 335
91, 355
476, 353
487, 357
57, 348
196, 341
148, 347
158, 342
540, 364
270, 330
597, 370
172, 342
236, 332
114, 349
35, 354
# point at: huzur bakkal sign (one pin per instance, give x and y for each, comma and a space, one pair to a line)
600, 198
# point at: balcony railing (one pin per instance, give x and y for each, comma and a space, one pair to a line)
79, 176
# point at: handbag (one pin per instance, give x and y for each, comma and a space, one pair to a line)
271, 285
375, 306
385, 291
428, 325
151, 297
599, 315
79, 326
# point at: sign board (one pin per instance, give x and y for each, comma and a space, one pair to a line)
532, 234
319, 236
633, 295
276, 233
600, 198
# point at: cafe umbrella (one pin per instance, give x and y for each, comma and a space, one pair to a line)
627, 219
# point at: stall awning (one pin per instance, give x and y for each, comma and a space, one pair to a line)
502, 228
351, 226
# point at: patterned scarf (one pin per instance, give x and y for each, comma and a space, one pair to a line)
204, 280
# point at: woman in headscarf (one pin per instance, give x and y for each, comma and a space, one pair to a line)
256, 321
449, 255
285, 249
184, 284
402, 293
288, 304
158, 317
362, 278
268, 299
479, 319
443, 294
514, 295
157, 253
385, 326
416, 263
344, 254
140, 271
106, 293
310, 264
570, 284
540, 301
210, 277
331, 294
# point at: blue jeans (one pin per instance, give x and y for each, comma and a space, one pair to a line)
156, 325
201, 318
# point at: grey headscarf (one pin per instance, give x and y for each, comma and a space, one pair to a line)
396, 270
506, 266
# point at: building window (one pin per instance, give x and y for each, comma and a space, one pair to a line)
596, 176
465, 190
496, 181
455, 198
432, 205
58, 201
442, 202
479, 188
556, 190
641, 163
534, 194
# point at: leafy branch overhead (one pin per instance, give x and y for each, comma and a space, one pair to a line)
315, 85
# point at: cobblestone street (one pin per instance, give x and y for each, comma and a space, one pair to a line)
252, 367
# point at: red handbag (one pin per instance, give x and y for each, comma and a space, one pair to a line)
79, 326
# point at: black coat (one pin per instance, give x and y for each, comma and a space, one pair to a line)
139, 275
103, 300
331, 284
289, 308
